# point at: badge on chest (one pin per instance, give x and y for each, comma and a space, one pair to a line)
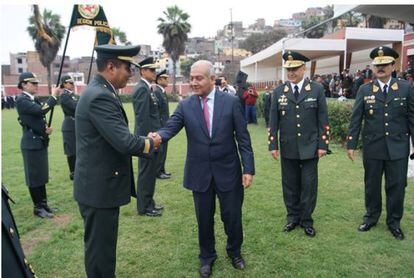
283, 100
369, 99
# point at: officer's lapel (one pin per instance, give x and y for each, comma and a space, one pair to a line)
377, 92
306, 89
392, 90
287, 91
218, 108
199, 114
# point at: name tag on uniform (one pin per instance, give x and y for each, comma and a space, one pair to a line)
310, 99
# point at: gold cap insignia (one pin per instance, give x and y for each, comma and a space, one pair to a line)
290, 58
380, 52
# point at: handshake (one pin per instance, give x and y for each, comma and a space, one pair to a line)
156, 138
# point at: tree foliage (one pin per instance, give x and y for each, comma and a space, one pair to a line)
47, 33
174, 28
119, 36
258, 42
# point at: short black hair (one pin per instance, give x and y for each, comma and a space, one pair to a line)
102, 62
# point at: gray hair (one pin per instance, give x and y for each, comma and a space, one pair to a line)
207, 64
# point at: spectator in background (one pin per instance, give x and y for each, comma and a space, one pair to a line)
346, 83
267, 97
227, 88
319, 79
358, 81
250, 98
367, 73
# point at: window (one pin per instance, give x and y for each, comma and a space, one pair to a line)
20, 70
19, 60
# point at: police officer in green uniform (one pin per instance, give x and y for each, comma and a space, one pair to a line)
147, 119
387, 107
35, 140
159, 90
13, 262
104, 147
299, 121
68, 102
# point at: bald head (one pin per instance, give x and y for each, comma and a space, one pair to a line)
204, 66
202, 77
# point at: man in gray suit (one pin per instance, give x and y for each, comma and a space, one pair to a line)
103, 178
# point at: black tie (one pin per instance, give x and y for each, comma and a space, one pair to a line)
385, 89
296, 92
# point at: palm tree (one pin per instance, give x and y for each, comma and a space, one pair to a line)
47, 34
120, 36
174, 28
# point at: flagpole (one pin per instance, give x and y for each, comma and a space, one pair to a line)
90, 64
60, 72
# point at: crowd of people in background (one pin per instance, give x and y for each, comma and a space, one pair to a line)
8, 102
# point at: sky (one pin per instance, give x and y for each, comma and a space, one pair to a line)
138, 19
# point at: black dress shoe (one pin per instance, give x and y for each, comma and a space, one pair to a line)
163, 176
238, 263
365, 227
50, 209
151, 213
205, 270
71, 176
290, 227
167, 173
42, 213
310, 231
397, 233
158, 207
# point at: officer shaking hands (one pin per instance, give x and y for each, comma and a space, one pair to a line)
386, 105
35, 140
68, 102
299, 121
104, 178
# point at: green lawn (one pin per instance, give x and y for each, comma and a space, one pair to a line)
167, 246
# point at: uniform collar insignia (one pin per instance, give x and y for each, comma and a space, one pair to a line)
308, 88
394, 86
286, 89
375, 88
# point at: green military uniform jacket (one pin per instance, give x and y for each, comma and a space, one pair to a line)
300, 125
13, 262
147, 116
32, 118
388, 120
68, 102
162, 104
103, 176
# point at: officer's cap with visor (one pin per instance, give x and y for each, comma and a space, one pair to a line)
26, 77
294, 59
121, 52
148, 63
383, 55
66, 79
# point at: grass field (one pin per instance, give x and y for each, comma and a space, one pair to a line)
167, 246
